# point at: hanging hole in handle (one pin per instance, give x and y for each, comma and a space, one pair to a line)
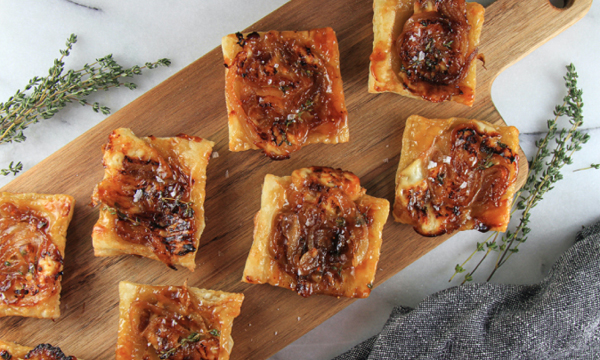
561, 4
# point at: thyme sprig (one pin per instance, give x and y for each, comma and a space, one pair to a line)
186, 206
12, 168
544, 172
43, 97
194, 337
593, 166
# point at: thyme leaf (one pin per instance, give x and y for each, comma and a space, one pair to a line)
192, 338
110, 210
14, 169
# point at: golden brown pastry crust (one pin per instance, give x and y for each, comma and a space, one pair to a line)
225, 307
388, 22
261, 267
425, 167
17, 351
192, 154
57, 211
322, 44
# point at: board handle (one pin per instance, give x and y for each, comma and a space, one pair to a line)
538, 18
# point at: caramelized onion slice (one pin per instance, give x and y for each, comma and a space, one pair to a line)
467, 175
323, 231
172, 326
284, 91
434, 49
30, 263
151, 198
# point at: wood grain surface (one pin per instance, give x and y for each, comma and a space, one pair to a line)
192, 101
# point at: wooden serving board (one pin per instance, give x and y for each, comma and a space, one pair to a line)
192, 101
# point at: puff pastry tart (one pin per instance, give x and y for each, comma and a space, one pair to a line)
317, 232
284, 90
12, 351
426, 49
152, 197
456, 174
175, 322
33, 229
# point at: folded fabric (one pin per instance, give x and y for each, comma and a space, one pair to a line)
555, 319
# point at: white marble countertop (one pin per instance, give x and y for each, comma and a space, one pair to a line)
135, 31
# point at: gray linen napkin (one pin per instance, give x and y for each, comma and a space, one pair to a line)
555, 319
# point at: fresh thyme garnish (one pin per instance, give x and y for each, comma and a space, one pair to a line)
14, 169
43, 97
449, 44
188, 211
122, 216
360, 219
192, 338
593, 166
284, 138
429, 44
215, 332
291, 120
486, 163
307, 106
110, 210
284, 89
440, 178
544, 172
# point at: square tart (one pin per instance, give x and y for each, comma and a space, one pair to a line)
147, 179
289, 97
198, 321
12, 351
33, 230
456, 174
386, 72
336, 254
